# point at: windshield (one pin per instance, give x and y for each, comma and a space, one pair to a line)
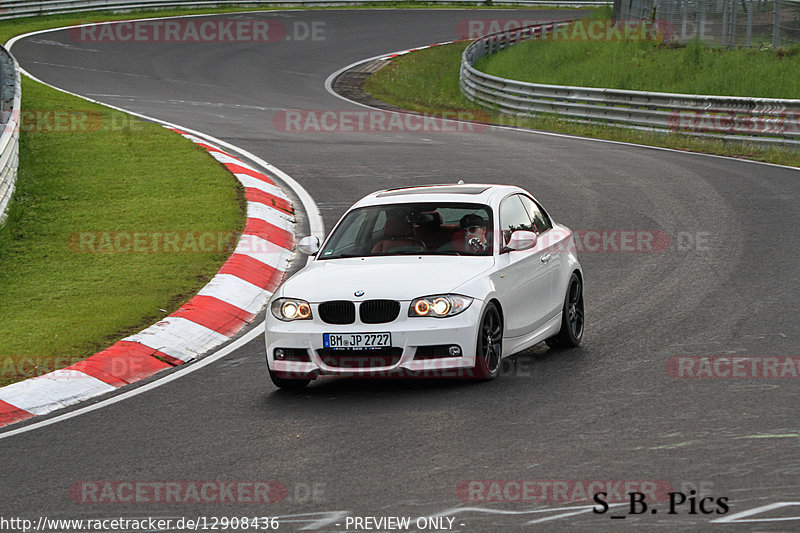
412, 229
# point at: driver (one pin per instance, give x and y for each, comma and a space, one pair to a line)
474, 227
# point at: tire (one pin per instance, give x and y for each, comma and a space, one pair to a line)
489, 348
287, 383
572, 317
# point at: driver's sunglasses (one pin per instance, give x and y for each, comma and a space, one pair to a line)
474, 229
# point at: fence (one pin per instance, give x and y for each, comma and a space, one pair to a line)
10, 93
726, 23
758, 120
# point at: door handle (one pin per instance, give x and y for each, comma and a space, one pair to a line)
546, 258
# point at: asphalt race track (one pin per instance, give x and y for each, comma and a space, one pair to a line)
610, 411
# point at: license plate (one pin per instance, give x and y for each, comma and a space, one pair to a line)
359, 341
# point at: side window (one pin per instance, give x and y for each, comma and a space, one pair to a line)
513, 216
541, 222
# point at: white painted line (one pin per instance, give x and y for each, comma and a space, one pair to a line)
492, 510
237, 292
43, 394
559, 516
179, 338
741, 517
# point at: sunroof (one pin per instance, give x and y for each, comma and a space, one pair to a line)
436, 189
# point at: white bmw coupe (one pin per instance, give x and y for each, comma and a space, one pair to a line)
438, 280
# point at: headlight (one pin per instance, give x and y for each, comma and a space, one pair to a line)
288, 309
439, 305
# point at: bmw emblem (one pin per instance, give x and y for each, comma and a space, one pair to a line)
359, 293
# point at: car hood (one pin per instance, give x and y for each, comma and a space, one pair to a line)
391, 277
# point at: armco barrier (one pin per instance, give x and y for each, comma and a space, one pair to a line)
758, 120
10, 94
27, 8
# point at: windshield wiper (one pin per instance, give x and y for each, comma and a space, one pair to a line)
427, 252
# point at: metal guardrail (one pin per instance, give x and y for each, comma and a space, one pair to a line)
10, 95
26, 8
759, 120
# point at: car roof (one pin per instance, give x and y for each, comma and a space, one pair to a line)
483, 193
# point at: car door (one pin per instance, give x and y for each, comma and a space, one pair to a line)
523, 277
551, 243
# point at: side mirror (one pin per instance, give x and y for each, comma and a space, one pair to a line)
308, 245
521, 240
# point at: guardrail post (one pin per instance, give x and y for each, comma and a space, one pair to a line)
725, 23
669, 16
732, 32
701, 19
748, 5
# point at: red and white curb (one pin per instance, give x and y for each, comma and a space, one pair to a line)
404, 52
221, 309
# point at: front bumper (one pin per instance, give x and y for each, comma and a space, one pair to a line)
409, 336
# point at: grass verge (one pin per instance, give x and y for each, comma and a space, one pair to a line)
92, 179
427, 81
646, 65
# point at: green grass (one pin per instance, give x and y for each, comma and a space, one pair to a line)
118, 174
649, 66
428, 81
